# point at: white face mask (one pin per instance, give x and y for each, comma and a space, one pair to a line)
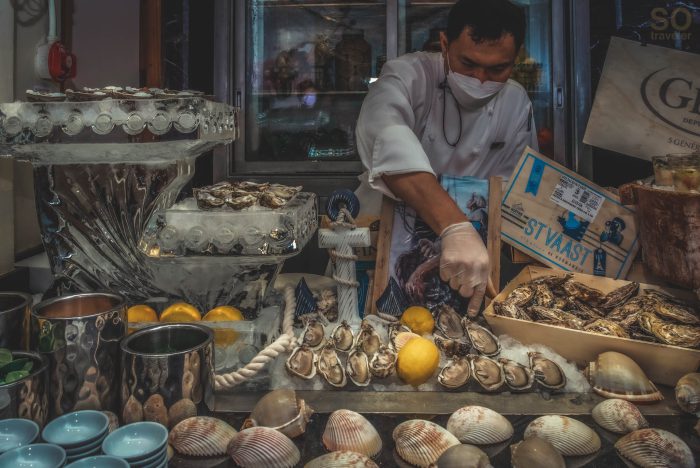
469, 92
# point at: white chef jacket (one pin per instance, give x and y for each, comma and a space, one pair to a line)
400, 128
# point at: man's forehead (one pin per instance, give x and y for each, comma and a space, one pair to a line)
499, 50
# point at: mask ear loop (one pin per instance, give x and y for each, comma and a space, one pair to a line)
444, 85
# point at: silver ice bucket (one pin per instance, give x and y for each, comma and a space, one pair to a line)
14, 314
27, 398
80, 335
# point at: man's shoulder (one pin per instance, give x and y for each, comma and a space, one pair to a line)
514, 91
422, 63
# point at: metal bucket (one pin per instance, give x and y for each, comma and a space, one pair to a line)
27, 398
80, 335
167, 373
14, 312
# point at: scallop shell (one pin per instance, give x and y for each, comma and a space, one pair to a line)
618, 416
201, 436
383, 364
342, 459
654, 447
181, 410
347, 430
281, 410
535, 453
402, 338
518, 377
463, 456
547, 372
422, 442
261, 446
569, 436
487, 372
456, 373
479, 426
302, 362
614, 375
357, 368
481, 338
329, 366
342, 337
688, 393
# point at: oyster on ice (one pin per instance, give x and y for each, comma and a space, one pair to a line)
456, 373
302, 362
357, 368
329, 366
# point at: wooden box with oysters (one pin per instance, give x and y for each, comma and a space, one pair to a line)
581, 316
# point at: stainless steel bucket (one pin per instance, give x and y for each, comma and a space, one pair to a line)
167, 373
14, 315
80, 335
27, 398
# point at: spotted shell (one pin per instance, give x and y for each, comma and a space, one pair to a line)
463, 456
688, 393
654, 447
282, 410
535, 453
201, 436
342, 459
618, 416
347, 430
569, 436
614, 375
479, 426
422, 442
181, 410
261, 446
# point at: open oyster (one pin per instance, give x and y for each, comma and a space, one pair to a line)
302, 362
342, 337
368, 339
547, 372
383, 364
481, 339
329, 366
357, 368
487, 372
518, 377
314, 334
456, 373
447, 321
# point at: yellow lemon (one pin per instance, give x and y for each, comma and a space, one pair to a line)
417, 361
223, 336
418, 319
180, 312
140, 313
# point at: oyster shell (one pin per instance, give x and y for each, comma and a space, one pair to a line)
262, 446
452, 347
606, 327
456, 373
569, 436
535, 453
521, 296
281, 410
342, 337
302, 362
557, 316
583, 292
357, 368
368, 339
510, 310
547, 372
201, 436
420, 442
487, 372
686, 336
619, 296
518, 377
675, 312
348, 430
481, 338
479, 426
654, 447
272, 200
285, 192
626, 314
314, 334
383, 363
614, 375
688, 393
394, 329
543, 295
448, 321
342, 459
240, 202
329, 366
582, 310
618, 416
206, 200
463, 456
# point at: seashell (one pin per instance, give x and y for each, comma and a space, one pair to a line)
619, 296
688, 393
240, 202
479, 426
614, 375
368, 339
569, 436
450, 346
201, 436
181, 410
518, 377
463, 456
342, 337
329, 366
262, 446
155, 410
654, 447
522, 295
113, 421
272, 200
342, 459
347, 430
481, 338
535, 453
618, 416
314, 334
302, 362
394, 329
133, 411
456, 373
357, 368
421, 442
281, 410
448, 321
487, 372
402, 338
547, 372
383, 364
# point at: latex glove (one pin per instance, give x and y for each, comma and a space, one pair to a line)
464, 263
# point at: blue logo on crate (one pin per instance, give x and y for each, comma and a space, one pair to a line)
393, 301
306, 302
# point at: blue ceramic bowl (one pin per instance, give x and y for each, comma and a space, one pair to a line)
151, 462
100, 461
85, 448
34, 456
75, 429
89, 453
17, 433
137, 441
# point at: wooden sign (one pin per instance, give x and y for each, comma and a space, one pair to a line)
647, 102
565, 221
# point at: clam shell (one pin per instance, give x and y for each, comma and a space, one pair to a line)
261, 446
463, 456
347, 430
479, 426
342, 337
535, 453
481, 338
422, 442
654, 447
302, 362
281, 410
487, 372
357, 368
547, 372
569, 436
688, 393
614, 375
518, 377
201, 436
456, 373
618, 416
402, 338
342, 459
181, 410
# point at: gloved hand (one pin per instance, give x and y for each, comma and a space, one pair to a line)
464, 263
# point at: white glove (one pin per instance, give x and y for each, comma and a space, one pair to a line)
464, 263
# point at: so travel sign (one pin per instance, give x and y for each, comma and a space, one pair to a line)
648, 101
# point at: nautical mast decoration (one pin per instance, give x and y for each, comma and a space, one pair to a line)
342, 208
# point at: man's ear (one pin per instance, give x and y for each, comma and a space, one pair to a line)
443, 43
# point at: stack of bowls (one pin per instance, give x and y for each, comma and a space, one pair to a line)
34, 456
17, 433
99, 461
141, 444
80, 433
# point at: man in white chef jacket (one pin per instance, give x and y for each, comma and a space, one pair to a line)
454, 113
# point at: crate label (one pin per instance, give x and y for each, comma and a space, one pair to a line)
577, 198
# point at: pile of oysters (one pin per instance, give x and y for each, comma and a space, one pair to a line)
240, 195
649, 315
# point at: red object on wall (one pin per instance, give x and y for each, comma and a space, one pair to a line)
62, 63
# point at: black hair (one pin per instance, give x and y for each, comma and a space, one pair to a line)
488, 20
